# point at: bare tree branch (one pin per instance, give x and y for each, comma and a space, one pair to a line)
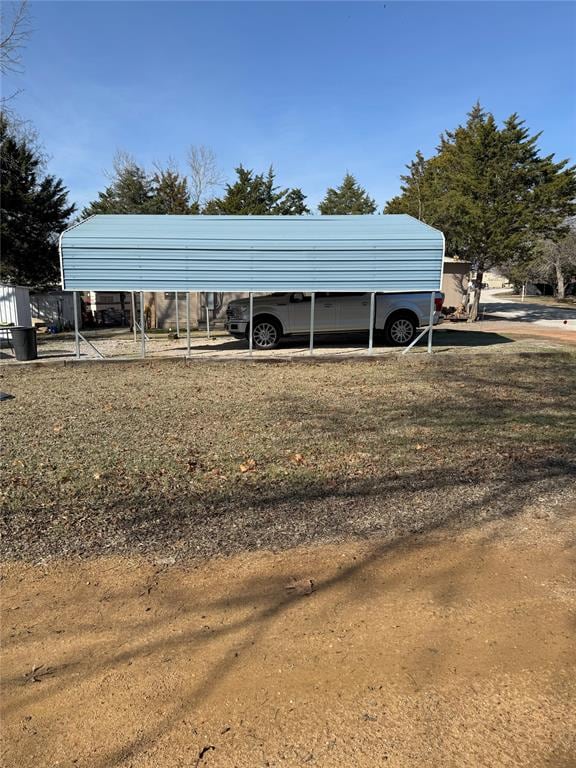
170, 166
204, 172
122, 160
14, 32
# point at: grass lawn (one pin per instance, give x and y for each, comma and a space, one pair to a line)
214, 459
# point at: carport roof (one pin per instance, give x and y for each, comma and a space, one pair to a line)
252, 253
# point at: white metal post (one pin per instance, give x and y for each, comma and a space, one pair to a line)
143, 348
207, 315
177, 316
251, 311
432, 297
427, 330
312, 312
371, 332
76, 324
188, 323
134, 315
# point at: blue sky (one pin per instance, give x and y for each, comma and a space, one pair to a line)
314, 88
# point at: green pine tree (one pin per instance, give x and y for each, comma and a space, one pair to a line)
130, 191
170, 192
256, 195
492, 194
34, 210
415, 198
292, 203
348, 198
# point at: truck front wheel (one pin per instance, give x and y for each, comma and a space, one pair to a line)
266, 333
400, 330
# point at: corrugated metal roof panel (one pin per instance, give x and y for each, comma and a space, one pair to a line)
252, 253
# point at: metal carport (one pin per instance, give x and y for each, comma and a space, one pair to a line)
264, 254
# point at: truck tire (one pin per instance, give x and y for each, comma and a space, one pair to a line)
266, 333
400, 329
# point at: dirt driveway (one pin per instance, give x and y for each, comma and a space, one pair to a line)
451, 649
497, 303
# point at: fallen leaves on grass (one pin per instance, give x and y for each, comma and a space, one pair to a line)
248, 466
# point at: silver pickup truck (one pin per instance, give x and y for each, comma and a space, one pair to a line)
397, 316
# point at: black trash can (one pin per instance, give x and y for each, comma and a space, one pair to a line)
24, 342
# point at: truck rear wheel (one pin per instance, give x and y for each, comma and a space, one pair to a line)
400, 330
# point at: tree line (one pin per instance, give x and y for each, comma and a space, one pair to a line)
166, 190
500, 202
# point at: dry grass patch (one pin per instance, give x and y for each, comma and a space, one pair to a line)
196, 460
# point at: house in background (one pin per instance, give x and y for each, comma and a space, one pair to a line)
455, 281
494, 279
163, 310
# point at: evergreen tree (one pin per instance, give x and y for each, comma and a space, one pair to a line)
415, 198
256, 195
492, 194
348, 198
170, 192
130, 191
292, 204
34, 210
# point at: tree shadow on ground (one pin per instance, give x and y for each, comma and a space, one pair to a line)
528, 312
245, 633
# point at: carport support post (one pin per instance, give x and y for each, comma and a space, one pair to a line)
207, 315
76, 324
134, 315
371, 332
177, 316
432, 297
143, 349
312, 308
251, 313
188, 322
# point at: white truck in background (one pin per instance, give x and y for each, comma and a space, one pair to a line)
397, 316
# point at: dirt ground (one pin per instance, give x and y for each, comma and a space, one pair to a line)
448, 649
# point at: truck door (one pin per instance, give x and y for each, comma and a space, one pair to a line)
325, 312
354, 311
